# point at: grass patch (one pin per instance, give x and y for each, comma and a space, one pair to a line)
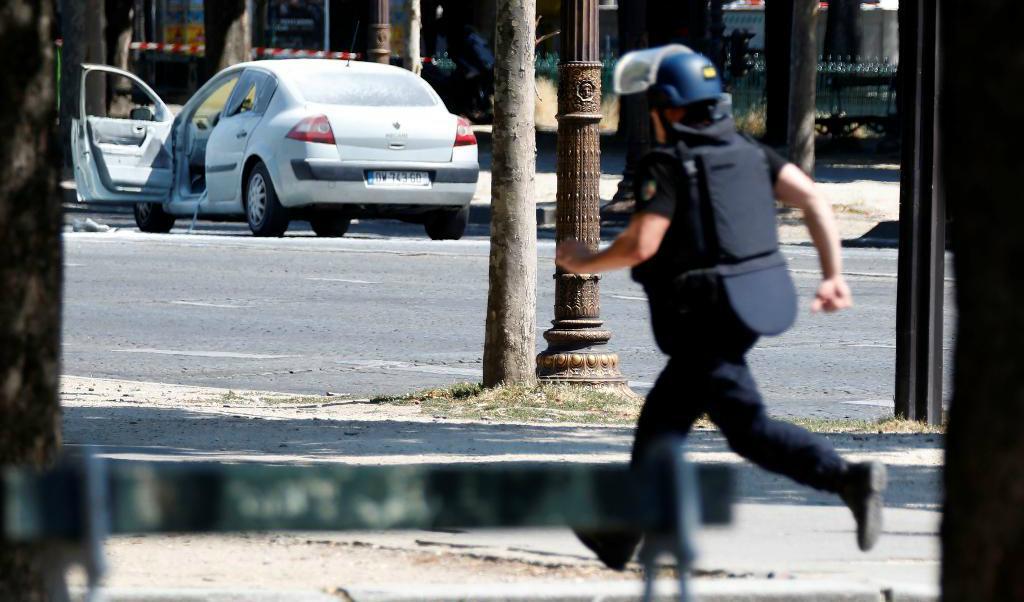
235, 398
753, 121
591, 405
513, 403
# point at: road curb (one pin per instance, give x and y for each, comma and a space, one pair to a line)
711, 590
480, 213
202, 595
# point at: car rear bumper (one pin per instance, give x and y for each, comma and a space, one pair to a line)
329, 182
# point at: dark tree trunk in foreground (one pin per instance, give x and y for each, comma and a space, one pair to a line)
228, 41
82, 28
843, 30
804, 78
778, 46
980, 132
511, 331
30, 264
118, 33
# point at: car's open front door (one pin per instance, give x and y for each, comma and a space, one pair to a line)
120, 139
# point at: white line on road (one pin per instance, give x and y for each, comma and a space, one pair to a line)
218, 354
875, 403
202, 304
408, 367
628, 298
346, 280
872, 345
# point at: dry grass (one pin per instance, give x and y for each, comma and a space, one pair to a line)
753, 122
588, 405
546, 111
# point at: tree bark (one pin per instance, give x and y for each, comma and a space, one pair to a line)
118, 31
778, 45
228, 40
803, 82
980, 131
843, 29
510, 338
73, 54
413, 58
30, 265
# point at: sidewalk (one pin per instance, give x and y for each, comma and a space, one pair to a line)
786, 542
862, 194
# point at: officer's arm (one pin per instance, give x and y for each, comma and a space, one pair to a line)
637, 243
795, 189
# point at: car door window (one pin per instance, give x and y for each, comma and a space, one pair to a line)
205, 115
252, 94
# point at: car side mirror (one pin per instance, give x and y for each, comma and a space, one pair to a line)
141, 114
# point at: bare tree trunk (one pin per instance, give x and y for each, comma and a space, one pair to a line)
413, 60
983, 519
510, 338
30, 265
804, 78
73, 54
843, 29
118, 31
228, 41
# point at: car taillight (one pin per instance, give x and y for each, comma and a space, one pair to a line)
313, 129
464, 135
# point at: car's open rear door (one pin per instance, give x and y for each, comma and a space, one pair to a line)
120, 139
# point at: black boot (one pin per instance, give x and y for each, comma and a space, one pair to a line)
862, 490
614, 548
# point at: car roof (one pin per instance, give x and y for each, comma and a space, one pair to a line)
289, 68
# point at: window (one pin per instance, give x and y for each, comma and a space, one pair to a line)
252, 95
213, 104
114, 96
366, 89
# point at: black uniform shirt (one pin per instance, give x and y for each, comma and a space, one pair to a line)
661, 187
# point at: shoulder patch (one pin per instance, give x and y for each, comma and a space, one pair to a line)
649, 189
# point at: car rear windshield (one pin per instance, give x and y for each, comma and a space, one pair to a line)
365, 90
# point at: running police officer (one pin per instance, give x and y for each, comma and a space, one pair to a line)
704, 244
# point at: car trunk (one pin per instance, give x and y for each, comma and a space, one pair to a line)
392, 133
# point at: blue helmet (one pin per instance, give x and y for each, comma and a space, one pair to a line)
685, 78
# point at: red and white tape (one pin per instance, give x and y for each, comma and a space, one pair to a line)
261, 52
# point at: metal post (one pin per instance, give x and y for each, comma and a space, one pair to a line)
327, 25
577, 351
633, 117
379, 38
778, 37
919, 297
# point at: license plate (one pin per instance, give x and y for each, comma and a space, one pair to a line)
398, 179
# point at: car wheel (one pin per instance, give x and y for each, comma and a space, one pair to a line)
151, 217
448, 224
330, 224
265, 214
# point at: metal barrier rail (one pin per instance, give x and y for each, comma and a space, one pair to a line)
83, 500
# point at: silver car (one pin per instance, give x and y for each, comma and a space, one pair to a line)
272, 141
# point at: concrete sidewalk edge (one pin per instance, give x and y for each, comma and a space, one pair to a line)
701, 590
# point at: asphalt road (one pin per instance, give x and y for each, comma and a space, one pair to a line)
384, 310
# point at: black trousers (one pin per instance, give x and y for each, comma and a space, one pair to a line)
707, 373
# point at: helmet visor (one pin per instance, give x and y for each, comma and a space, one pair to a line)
636, 71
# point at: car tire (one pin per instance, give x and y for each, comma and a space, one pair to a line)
151, 217
448, 224
330, 224
265, 214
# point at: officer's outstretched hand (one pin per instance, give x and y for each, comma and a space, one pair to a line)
570, 254
833, 295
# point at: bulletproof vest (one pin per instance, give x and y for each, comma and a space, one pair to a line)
724, 230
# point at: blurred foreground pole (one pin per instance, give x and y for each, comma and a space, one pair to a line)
30, 264
921, 266
803, 84
378, 42
979, 140
778, 45
228, 38
510, 338
577, 345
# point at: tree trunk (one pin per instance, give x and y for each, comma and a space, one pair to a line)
30, 265
73, 54
228, 41
843, 30
413, 58
118, 31
778, 35
804, 78
510, 338
95, 52
980, 133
